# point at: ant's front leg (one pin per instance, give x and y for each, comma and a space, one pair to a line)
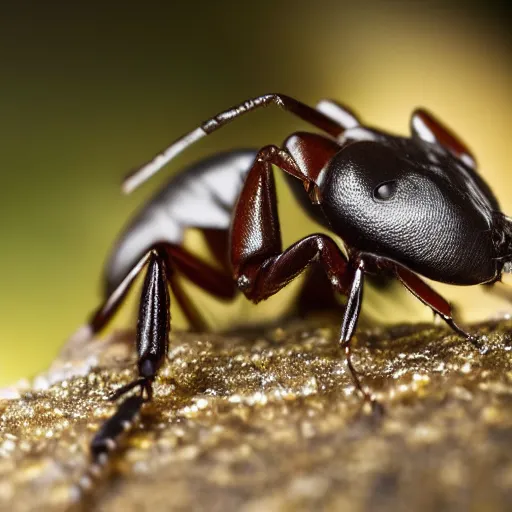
261, 268
350, 317
436, 302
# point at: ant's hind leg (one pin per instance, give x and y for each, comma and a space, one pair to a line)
153, 329
153, 326
108, 438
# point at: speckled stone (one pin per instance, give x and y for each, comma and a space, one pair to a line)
271, 422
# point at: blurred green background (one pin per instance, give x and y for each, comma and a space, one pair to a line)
88, 90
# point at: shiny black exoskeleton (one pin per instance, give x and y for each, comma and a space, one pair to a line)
411, 202
407, 206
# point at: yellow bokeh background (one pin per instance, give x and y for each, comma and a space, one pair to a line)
88, 91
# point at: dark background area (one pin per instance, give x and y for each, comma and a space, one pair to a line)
89, 90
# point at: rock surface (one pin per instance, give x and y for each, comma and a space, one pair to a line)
270, 422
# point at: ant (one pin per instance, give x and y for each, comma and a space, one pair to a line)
410, 206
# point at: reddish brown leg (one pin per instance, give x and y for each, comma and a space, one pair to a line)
261, 279
194, 317
260, 266
199, 272
438, 304
218, 243
213, 281
299, 109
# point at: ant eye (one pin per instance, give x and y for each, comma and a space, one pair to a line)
385, 191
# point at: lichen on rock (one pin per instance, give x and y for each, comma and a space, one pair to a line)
270, 421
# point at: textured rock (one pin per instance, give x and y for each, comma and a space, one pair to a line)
271, 422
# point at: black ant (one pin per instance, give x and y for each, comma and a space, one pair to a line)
408, 206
